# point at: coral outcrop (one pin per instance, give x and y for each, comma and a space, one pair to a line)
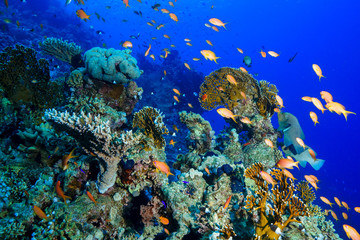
273, 205
111, 65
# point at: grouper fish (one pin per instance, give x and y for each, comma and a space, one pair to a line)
290, 127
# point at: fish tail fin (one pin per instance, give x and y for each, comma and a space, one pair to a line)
297, 165
321, 77
233, 118
346, 113
224, 25
216, 59
317, 164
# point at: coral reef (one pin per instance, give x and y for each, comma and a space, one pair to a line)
201, 136
306, 192
97, 138
150, 121
272, 219
75, 79
218, 91
111, 65
63, 50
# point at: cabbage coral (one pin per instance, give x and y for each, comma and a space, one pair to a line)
273, 205
218, 91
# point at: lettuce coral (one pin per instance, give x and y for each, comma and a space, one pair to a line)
283, 201
111, 65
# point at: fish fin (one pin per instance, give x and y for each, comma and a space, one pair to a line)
317, 164
346, 113
303, 163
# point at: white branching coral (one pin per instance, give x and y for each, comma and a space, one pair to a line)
97, 138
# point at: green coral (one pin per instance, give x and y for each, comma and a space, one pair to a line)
62, 50
217, 91
75, 79
12, 230
150, 121
26, 80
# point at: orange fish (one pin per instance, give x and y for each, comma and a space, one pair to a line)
153, 21
175, 128
231, 79
196, 59
314, 118
246, 120
288, 174
176, 98
163, 10
164, 72
207, 171
126, 2
166, 36
166, 231
190, 105
208, 54
318, 104
227, 202
307, 99
338, 108
326, 96
172, 142
312, 154
203, 97
91, 197
210, 43
300, 142
81, 14
337, 201
176, 91
267, 177
325, 200
189, 44
333, 214
287, 163
317, 70
127, 44
221, 89
66, 159
40, 213
152, 56
162, 167
240, 50
269, 142
243, 94
351, 232
60, 192
148, 50
357, 209
215, 28
187, 66
226, 113
243, 69
171, 4
311, 181
173, 17
273, 54
279, 101
217, 22
345, 216
345, 205
164, 220
160, 26
150, 24
263, 54
277, 110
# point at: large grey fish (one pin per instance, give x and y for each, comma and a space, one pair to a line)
305, 158
290, 127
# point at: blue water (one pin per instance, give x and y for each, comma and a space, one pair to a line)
325, 32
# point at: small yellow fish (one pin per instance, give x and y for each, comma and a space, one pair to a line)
189, 44
163, 10
227, 202
279, 101
267, 177
190, 105
164, 220
209, 42
317, 70
345, 216
231, 79
187, 66
196, 59
337, 201
82, 15
150, 24
173, 17
325, 200
345, 205
288, 174
351, 232
172, 142
273, 54
152, 56
217, 22
176, 91
207, 25
246, 120
263, 54
269, 142
243, 69
163, 167
215, 28
307, 99
176, 98
318, 104
148, 50
208, 54
314, 118
166, 36
240, 50
300, 142
226, 113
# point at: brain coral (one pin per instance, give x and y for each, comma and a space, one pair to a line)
111, 65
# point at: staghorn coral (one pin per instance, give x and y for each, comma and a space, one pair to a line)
111, 65
220, 92
26, 80
275, 204
63, 50
96, 137
201, 136
150, 121
306, 192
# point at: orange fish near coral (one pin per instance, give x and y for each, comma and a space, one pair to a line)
351, 232
207, 171
287, 163
66, 159
279, 101
217, 22
269, 142
288, 174
127, 44
126, 2
333, 214
81, 14
267, 177
164, 220
190, 105
246, 120
325, 200
40, 213
91, 197
162, 167
172, 142
203, 97
231, 79
226, 113
311, 181
243, 69
317, 70
209, 55
227, 202
60, 192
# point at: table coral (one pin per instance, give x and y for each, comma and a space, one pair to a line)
111, 65
273, 218
61, 49
150, 121
217, 91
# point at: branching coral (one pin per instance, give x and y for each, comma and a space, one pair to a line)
150, 121
218, 91
26, 80
97, 138
62, 50
275, 204
306, 192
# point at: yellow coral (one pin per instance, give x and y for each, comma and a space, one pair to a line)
216, 91
306, 193
273, 205
150, 120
